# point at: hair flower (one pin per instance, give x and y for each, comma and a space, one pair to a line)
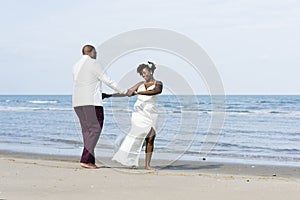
150, 65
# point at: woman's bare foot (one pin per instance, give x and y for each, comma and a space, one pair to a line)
88, 165
149, 168
134, 167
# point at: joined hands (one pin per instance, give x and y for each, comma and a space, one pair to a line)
129, 93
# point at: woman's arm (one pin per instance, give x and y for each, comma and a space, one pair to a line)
104, 95
119, 95
157, 89
135, 87
131, 91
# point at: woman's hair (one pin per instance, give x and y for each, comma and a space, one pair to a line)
150, 66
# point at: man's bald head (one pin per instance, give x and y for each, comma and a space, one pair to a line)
89, 50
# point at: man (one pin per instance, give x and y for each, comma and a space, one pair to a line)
87, 101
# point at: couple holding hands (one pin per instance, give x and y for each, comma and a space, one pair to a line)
87, 103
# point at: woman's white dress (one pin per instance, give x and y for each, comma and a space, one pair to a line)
144, 118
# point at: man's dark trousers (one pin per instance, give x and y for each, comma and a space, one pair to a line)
91, 121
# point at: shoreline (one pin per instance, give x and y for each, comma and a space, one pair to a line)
27, 176
203, 167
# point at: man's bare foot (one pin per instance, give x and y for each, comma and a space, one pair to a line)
88, 165
134, 167
149, 168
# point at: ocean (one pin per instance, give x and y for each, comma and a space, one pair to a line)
257, 129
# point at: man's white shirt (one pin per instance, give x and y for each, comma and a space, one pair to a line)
88, 77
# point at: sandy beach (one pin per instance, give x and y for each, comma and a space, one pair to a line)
26, 176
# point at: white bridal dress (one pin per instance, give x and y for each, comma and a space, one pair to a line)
144, 118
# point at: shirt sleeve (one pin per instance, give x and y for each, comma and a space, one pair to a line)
102, 76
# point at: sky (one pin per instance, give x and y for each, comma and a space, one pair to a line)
254, 44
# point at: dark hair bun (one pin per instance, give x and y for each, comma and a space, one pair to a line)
150, 66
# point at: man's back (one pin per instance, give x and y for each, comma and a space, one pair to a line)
87, 86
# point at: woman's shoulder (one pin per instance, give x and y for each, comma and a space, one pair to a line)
140, 83
158, 82
136, 86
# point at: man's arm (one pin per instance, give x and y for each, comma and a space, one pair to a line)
102, 76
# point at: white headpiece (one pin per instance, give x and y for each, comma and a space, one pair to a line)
150, 65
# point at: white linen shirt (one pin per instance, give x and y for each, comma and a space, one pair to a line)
88, 77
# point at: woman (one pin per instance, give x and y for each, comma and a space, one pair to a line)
143, 119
